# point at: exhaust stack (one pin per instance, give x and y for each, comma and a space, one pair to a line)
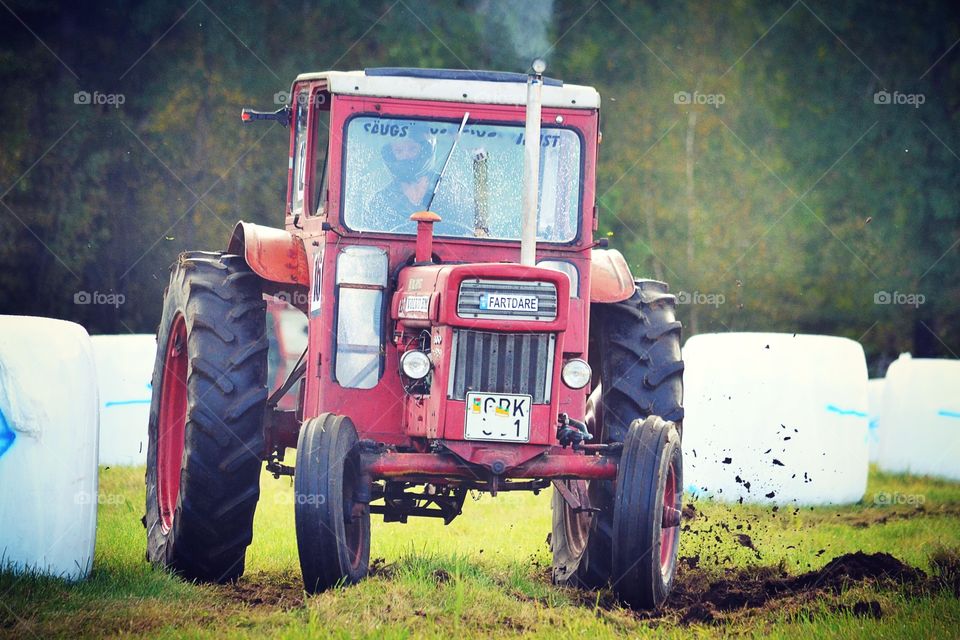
531, 166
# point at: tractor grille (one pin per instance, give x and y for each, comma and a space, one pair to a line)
470, 302
491, 362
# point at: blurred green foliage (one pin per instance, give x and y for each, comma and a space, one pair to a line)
781, 194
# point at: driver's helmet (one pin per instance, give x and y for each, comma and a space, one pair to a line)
411, 157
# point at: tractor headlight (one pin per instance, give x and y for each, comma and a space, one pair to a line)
415, 365
576, 374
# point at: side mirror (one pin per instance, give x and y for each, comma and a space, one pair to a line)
281, 115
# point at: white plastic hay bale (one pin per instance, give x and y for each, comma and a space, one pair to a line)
920, 426
775, 418
874, 411
48, 447
124, 372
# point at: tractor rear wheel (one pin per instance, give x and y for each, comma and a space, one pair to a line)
332, 512
646, 513
206, 418
635, 357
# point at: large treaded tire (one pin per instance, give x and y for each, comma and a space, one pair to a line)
333, 521
638, 372
636, 352
214, 304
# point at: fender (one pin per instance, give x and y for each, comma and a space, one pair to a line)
275, 255
610, 277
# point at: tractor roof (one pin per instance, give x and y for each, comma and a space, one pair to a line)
454, 85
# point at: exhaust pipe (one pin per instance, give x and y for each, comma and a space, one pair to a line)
531, 166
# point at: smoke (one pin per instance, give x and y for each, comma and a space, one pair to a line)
516, 32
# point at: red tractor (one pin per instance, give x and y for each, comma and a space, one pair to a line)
465, 331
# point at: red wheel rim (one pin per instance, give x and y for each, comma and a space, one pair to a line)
669, 535
172, 422
577, 524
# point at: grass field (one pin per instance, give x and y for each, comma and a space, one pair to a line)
487, 575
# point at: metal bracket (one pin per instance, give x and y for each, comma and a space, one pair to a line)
578, 499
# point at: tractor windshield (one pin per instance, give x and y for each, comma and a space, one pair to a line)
392, 165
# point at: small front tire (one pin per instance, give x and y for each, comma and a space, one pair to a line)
333, 521
646, 513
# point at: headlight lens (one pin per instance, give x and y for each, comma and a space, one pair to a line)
415, 364
576, 374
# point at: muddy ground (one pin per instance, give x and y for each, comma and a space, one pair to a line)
707, 595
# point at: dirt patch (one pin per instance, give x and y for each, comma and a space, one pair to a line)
946, 569
879, 516
266, 590
697, 598
379, 567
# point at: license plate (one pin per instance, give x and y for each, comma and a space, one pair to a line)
498, 416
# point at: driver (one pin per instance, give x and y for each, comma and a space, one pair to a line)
410, 162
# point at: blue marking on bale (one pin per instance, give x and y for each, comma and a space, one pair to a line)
120, 403
846, 412
7, 435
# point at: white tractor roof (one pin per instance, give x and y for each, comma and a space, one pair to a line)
450, 85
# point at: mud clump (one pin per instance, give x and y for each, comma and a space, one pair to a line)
859, 567
700, 612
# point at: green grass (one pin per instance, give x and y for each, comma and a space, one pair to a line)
487, 574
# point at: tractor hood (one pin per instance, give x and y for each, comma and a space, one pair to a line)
499, 296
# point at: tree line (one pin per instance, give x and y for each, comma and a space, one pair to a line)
785, 167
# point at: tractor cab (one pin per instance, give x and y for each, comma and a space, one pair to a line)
465, 332
407, 188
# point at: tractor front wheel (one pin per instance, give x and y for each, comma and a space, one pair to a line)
646, 513
635, 355
332, 510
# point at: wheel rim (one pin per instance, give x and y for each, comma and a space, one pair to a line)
172, 422
352, 515
576, 525
669, 535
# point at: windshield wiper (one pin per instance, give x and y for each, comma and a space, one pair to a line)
443, 170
